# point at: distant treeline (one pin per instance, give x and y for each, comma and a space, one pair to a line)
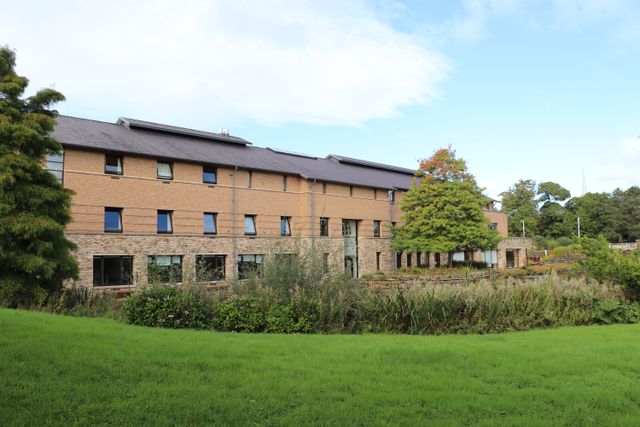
548, 210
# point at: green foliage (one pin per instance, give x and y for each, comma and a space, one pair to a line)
520, 204
442, 211
476, 265
540, 242
34, 208
608, 265
169, 307
84, 302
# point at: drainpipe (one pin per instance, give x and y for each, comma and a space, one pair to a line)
313, 213
234, 234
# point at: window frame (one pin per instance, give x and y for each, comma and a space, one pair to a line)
377, 224
249, 179
255, 228
243, 273
284, 183
286, 221
120, 160
392, 196
113, 210
102, 258
215, 223
215, 174
158, 176
170, 223
223, 274
57, 159
326, 228
152, 260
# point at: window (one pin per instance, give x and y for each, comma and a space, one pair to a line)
493, 226
375, 193
209, 175
409, 259
210, 268
392, 196
165, 170
249, 178
325, 263
285, 226
210, 223
55, 165
164, 268
378, 260
164, 222
284, 182
112, 270
113, 164
250, 225
351, 191
113, 220
324, 227
376, 228
398, 260
248, 265
324, 188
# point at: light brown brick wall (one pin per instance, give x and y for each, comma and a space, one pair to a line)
140, 194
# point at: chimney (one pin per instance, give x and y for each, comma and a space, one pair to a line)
224, 131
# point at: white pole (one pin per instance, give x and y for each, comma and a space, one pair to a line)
578, 227
523, 233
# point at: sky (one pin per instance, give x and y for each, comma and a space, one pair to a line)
547, 90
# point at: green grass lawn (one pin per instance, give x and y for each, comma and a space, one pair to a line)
65, 371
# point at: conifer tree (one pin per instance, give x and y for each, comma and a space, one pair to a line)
442, 211
35, 256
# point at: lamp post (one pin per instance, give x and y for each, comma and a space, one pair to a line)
523, 233
578, 227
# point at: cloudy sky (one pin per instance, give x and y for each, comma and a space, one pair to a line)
521, 89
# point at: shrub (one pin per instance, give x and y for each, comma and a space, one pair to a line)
564, 241
85, 302
477, 265
540, 242
608, 265
169, 307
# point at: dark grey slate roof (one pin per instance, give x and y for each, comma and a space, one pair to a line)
113, 137
176, 130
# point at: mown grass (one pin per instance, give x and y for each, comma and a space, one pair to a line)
57, 370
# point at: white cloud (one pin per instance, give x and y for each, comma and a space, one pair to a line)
210, 62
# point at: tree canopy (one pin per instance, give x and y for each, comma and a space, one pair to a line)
35, 256
442, 211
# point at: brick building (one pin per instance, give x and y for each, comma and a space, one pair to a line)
152, 197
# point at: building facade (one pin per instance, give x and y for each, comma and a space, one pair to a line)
153, 199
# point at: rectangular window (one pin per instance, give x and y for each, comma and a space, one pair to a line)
378, 254
398, 259
112, 270
285, 226
351, 191
493, 226
165, 170
113, 220
55, 165
248, 265
250, 225
164, 268
324, 227
210, 268
409, 260
113, 164
249, 179
284, 182
375, 193
165, 225
376, 228
210, 223
458, 256
209, 175
392, 196
324, 188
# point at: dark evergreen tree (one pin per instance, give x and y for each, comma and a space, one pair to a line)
35, 256
442, 211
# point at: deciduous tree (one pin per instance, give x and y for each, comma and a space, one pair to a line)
442, 211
